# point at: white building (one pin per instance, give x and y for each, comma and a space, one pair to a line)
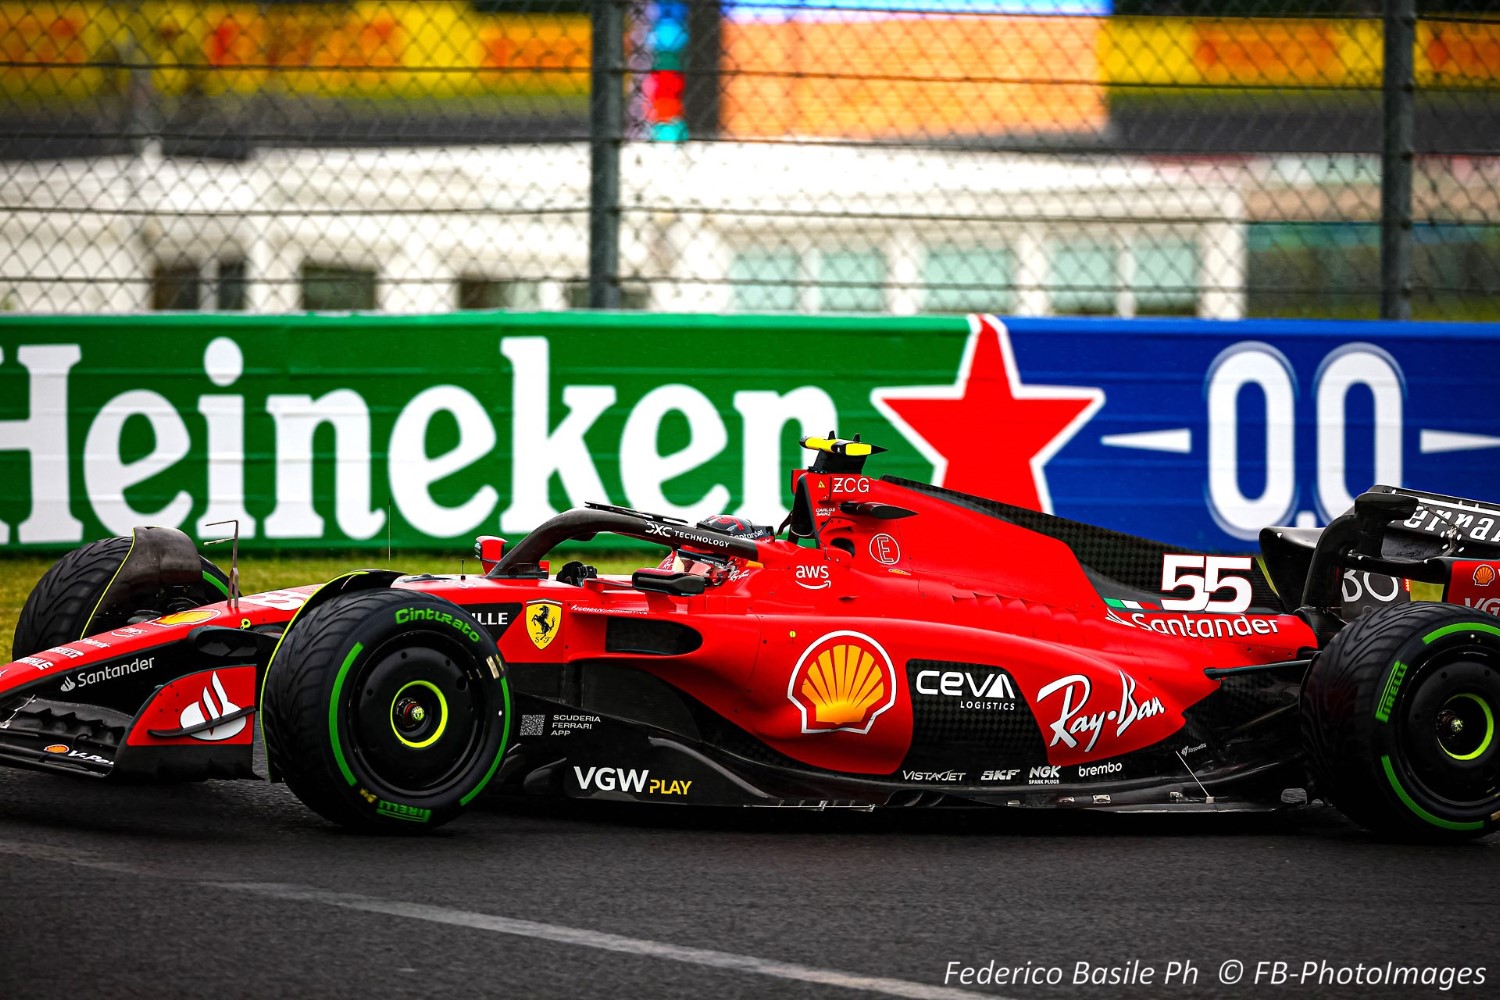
709, 227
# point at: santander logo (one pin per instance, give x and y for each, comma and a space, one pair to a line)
212, 704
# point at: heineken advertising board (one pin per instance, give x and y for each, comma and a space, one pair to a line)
347, 431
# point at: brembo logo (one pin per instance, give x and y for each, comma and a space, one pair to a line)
87, 677
842, 682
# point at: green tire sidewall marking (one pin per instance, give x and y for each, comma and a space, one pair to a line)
499, 753
1489, 727
271, 661
333, 711
1422, 814
105, 592
1388, 693
1436, 634
442, 723
214, 582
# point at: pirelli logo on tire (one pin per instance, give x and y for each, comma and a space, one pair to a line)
1388, 696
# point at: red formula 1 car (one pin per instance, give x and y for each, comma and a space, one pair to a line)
894, 644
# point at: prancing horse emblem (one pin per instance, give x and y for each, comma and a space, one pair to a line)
543, 622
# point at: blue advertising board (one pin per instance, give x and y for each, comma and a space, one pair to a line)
1210, 430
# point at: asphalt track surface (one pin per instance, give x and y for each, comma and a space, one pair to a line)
235, 890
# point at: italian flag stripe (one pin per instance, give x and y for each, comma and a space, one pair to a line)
1135, 605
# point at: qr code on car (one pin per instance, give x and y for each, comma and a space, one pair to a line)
533, 725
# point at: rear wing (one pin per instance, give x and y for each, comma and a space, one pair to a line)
1395, 532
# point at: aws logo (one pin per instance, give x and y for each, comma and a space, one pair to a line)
842, 683
812, 577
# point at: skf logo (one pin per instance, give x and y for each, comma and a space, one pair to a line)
813, 577
1484, 575
185, 618
543, 622
842, 683
1006, 775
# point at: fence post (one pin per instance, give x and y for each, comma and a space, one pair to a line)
702, 95
606, 122
1399, 88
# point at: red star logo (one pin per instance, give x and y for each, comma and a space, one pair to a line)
987, 434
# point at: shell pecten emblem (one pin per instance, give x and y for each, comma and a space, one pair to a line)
842, 683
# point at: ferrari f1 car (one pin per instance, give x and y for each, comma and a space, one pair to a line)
893, 644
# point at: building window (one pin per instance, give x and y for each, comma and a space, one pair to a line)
765, 280
576, 294
177, 287
968, 279
489, 293
337, 289
1082, 279
851, 281
1166, 278
231, 290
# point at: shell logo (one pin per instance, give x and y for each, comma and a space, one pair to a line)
1484, 575
185, 618
842, 682
56, 748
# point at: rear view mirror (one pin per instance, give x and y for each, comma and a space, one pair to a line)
488, 549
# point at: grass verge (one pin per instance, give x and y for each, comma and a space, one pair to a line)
259, 573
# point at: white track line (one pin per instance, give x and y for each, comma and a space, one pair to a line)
557, 933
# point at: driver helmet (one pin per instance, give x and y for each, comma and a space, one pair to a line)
716, 566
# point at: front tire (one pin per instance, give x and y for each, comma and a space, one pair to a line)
66, 604
1399, 718
386, 710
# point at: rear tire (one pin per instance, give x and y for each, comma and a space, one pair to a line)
1399, 718
64, 605
386, 710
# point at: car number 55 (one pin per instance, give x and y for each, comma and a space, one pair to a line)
1218, 574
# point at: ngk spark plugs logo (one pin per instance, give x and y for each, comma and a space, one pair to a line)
842, 683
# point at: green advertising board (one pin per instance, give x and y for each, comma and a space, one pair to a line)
356, 431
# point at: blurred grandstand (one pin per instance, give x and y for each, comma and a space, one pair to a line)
1039, 157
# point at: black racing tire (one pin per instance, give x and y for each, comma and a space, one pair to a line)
63, 606
1399, 717
386, 710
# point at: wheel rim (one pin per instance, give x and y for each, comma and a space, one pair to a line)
1445, 743
414, 714
1466, 726
419, 714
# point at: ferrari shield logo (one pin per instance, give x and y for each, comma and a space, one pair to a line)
543, 622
